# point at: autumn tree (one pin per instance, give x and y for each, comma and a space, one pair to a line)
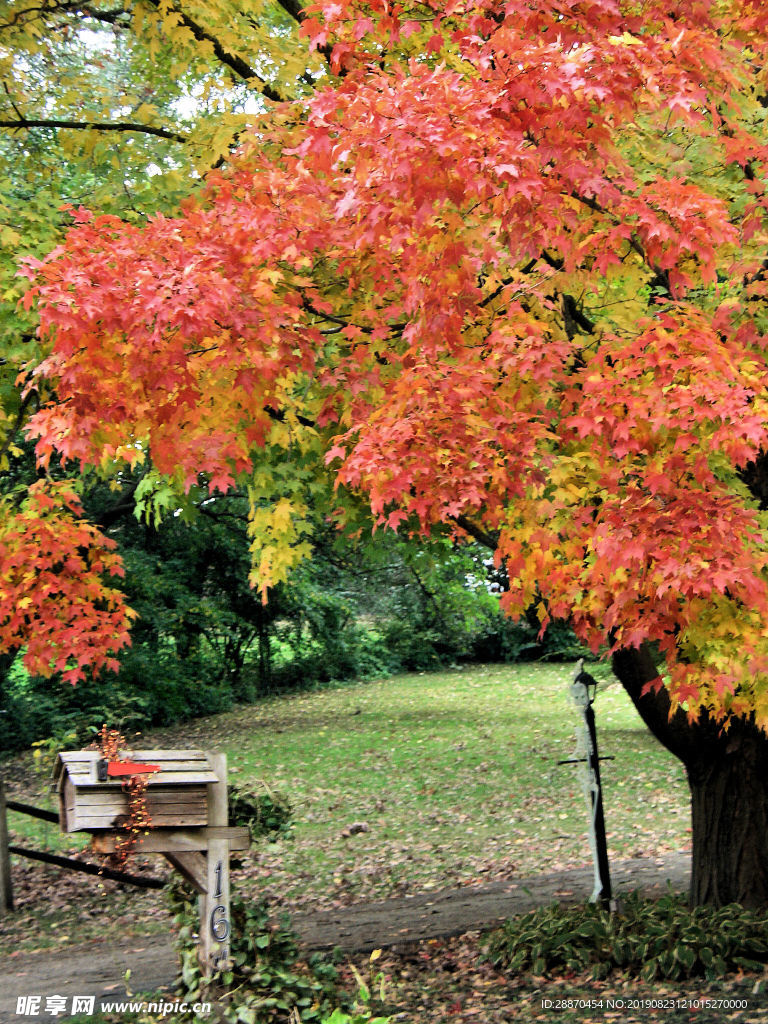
122, 107
504, 275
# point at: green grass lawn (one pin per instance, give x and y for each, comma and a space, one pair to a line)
453, 776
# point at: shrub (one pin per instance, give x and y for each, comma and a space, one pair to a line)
30, 711
266, 813
650, 939
267, 982
154, 687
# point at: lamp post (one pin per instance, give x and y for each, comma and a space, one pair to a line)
583, 689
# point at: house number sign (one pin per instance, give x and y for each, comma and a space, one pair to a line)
218, 922
215, 921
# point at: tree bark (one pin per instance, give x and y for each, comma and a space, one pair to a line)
729, 818
728, 779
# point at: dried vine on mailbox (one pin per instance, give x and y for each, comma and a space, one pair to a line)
138, 820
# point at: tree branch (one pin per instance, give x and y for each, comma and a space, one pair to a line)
27, 123
278, 415
109, 17
232, 61
634, 667
21, 413
755, 476
488, 540
294, 9
574, 318
10, 100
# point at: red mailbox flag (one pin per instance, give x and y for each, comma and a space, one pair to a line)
121, 768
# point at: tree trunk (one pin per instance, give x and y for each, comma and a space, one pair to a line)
728, 778
7, 659
729, 817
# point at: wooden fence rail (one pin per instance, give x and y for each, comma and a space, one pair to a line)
6, 849
89, 869
33, 812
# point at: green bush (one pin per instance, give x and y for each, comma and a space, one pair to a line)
30, 711
267, 982
320, 637
154, 687
560, 643
650, 939
266, 814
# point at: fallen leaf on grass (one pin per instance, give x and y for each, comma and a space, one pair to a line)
356, 828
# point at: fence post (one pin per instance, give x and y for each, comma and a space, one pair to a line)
6, 892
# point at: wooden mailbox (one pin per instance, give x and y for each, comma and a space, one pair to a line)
186, 799
177, 794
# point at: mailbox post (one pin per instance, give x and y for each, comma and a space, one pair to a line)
186, 799
215, 923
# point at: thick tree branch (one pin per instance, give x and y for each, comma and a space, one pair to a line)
28, 398
507, 281
235, 63
634, 668
278, 415
45, 8
126, 503
294, 9
27, 123
755, 476
556, 262
477, 533
574, 318
114, 17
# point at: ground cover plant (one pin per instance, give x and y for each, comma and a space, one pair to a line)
267, 979
446, 982
655, 939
